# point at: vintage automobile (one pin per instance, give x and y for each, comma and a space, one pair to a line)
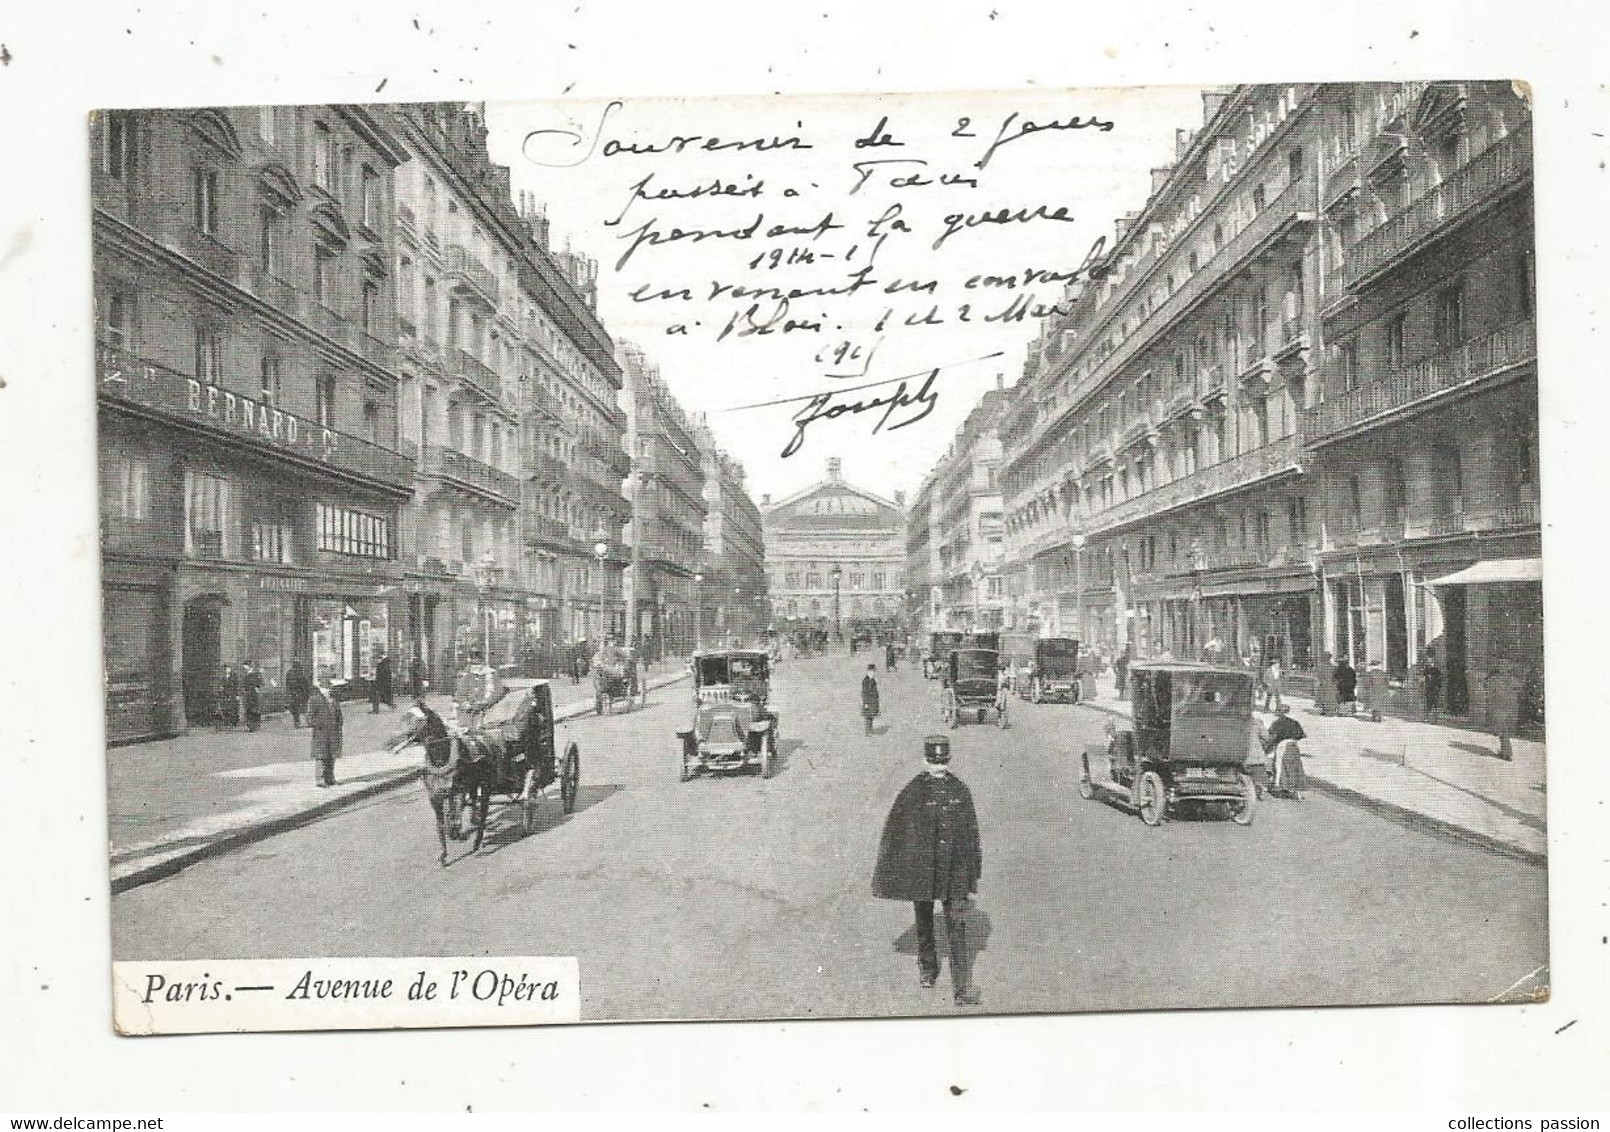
1017, 653
1190, 743
936, 663
973, 687
981, 639
616, 679
734, 726
1054, 674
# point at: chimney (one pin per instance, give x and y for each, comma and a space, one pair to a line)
1000, 381
765, 500
1160, 177
1122, 225
835, 469
1211, 101
1182, 142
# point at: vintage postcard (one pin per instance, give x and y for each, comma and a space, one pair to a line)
831, 556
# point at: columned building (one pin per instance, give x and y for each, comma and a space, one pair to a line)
734, 606
1423, 436
459, 245
968, 529
835, 555
574, 431
252, 483
668, 510
1294, 409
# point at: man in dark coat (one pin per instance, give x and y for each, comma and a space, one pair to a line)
869, 696
930, 851
1431, 678
380, 690
298, 686
251, 697
1345, 677
889, 657
229, 696
324, 716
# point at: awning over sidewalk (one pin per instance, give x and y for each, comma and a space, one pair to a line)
1494, 570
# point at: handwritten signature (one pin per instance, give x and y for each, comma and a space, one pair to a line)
823, 407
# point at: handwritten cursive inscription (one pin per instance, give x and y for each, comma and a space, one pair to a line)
823, 407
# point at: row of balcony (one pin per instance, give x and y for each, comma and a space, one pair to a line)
468, 368
473, 274
1469, 362
1501, 166
449, 463
1294, 206
1449, 517
127, 379
287, 298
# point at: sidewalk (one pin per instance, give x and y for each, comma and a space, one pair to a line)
174, 802
1442, 777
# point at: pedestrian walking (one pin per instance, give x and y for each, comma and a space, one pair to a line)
1431, 685
1272, 677
869, 696
251, 697
380, 688
930, 851
889, 657
1120, 669
298, 686
324, 717
229, 696
1345, 679
1279, 741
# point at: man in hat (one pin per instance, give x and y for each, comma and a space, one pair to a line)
1279, 742
869, 696
324, 717
930, 851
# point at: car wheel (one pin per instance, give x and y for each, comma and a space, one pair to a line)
570, 778
1087, 787
1153, 798
1249, 801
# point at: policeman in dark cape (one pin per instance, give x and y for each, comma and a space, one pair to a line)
930, 851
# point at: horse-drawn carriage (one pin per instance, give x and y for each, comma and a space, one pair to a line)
1190, 744
507, 749
973, 686
734, 726
936, 663
616, 678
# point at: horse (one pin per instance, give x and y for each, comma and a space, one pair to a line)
458, 768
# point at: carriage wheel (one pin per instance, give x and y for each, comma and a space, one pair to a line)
1087, 787
1249, 801
951, 713
683, 770
1153, 800
767, 751
528, 802
570, 778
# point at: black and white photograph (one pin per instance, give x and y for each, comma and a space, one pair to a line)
740, 527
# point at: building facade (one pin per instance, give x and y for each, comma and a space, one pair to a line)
835, 557
1262, 430
459, 246
252, 480
734, 606
924, 597
667, 490
969, 530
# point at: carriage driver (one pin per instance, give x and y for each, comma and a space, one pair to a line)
479, 686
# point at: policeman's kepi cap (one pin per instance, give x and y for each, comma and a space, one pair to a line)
936, 749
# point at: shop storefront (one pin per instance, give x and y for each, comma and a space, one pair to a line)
142, 701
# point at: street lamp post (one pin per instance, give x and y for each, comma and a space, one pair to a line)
486, 579
835, 573
698, 611
600, 549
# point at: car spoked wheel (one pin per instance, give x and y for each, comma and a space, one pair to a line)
1153, 798
1087, 786
570, 778
1248, 806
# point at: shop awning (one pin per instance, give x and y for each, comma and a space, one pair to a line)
1494, 570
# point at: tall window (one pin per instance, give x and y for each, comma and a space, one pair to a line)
405, 288
371, 199
272, 389
208, 356
1396, 343
455, 427
273, 533
430, 206
268, 240
428, 315
1297, 520
117, 144
323, 156
209, 509
204, 184
1350, 374
1294, 166
1259, 197
125, 488
371, 305
324, 393
1448, 316
323, 274
117, 325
